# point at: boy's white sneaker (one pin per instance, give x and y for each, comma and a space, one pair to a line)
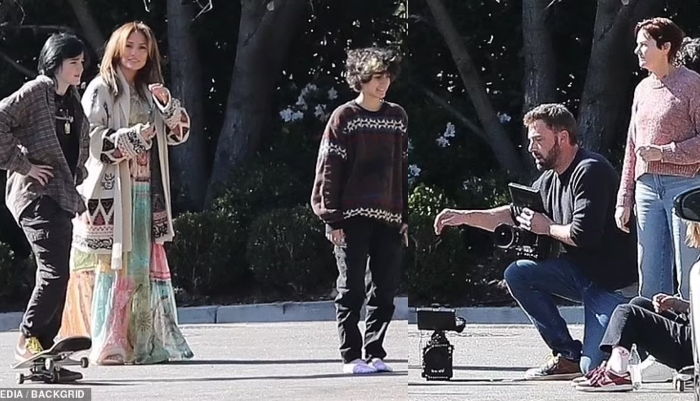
358, 367
380, 366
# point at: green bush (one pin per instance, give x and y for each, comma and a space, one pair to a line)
485, 192
207, 255
289, 253
428, 201
262, 186
458, 267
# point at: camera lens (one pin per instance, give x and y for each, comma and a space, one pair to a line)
505, 236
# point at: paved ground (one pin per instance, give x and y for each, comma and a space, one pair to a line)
490, 361
261, 361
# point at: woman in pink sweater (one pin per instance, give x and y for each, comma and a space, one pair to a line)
662, 159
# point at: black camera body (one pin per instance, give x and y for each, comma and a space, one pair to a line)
523, 243
437, 354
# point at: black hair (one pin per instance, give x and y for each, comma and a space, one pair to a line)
58, 48
362, 64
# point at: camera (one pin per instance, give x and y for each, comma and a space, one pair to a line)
523, 243
437, 353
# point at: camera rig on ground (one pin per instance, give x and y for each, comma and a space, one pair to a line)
437, 353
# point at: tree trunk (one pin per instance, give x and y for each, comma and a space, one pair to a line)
264, 38
540, 78
188, 161
89, 25
497, 136
607, 79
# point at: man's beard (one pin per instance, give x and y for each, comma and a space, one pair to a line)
550, 161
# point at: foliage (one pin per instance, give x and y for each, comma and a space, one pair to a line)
458, 267
207, 255
289, 253
263, 185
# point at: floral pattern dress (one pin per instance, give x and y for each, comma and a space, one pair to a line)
130, 313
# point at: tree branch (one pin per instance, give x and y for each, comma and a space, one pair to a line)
453, 110
5, 26
496, 136
24, 70
89, 25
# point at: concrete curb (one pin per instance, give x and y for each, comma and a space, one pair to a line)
505, 315
256, 313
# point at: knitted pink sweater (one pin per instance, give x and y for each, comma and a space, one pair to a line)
665, 112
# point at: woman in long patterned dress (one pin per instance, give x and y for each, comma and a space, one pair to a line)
120, 292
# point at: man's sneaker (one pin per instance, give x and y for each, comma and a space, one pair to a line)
358, 367
380, 366
607, 381
555, 368
589, 376
27, 348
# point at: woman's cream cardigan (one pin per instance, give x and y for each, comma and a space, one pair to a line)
105, 228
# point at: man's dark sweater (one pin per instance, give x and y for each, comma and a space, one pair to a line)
584, 196
362, 167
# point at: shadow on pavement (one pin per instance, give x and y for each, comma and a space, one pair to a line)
83, 383
472, 382
484, 368
241, 378
265, 362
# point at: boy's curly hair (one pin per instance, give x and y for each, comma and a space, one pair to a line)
363, 63
689, 54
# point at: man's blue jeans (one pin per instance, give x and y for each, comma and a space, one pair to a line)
661, 236
534, 284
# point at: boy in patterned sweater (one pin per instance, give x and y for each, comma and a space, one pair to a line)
361, 192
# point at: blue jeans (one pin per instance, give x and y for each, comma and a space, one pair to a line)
534, 284
661, 236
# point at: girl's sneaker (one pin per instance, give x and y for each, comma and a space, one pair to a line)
607, 381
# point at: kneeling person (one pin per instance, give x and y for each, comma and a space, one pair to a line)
596, 259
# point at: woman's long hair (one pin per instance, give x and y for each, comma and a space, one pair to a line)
692, 234
151, 71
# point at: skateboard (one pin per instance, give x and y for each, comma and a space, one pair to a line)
45, 366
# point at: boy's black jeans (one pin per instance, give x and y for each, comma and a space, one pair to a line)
375, 245
49, 230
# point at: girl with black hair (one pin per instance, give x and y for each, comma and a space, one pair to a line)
44, 145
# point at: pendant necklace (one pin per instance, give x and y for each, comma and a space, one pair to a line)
65, 116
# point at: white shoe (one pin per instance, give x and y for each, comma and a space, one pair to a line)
380, 366
358, 367
655, 372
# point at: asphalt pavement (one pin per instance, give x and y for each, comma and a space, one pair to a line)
490, 362
246, 361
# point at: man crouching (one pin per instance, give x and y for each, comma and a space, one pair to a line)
596, 259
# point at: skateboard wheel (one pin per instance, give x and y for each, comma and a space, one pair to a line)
55, 376
84, 362
681, 386
20, 378
49, 364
